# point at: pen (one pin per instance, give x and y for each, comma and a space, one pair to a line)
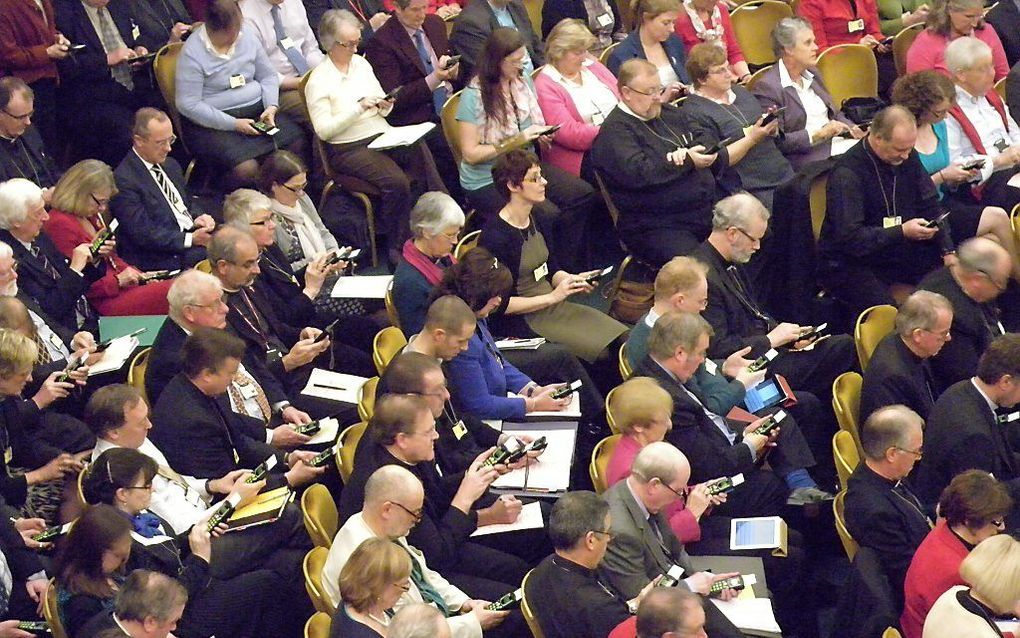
329, 387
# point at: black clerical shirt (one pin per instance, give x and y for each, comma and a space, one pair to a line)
570, 601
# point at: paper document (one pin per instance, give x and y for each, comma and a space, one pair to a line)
362, 287
115, 356
334, 386
841, 145
530, 518
520, 344
749, 615
551, 471
401, 136
328, 429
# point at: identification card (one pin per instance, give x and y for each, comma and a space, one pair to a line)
711, 366
8, 455
604, 20
237, 81
459, 430
286, 43
855, 25
1008, 418
272, 356
891, 222
542, 271
598, 118
55, 341
247, 391
136, 32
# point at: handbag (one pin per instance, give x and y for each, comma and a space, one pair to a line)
861, 110
634, 296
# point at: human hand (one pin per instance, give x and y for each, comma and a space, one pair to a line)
56, 468
52, 390
269, 116
244, 126
81, 255
378, 20
128, 277
447, 74
247, 491
857, 132
119, 56
783, 334
955, 174
758, 442
568, 286
83, 340
201, 236
200, 540
303, 352
9, 629
487, 618
760, 131
178, 31
700, 158
736, 362
58, 51
699, 500
285, 437
916, 229
302, 473
543, 401
315, 274
225, 483
505, 510
36, 590
677, 157
476, 480
290, 414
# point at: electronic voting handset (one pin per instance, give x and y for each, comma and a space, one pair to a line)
770, 423
224, 511
37, 627
724, 485
762, 361
566, 390
73, 364
102, 237
507, 601
323, 457
308, 429
261, 470
672, 577
733, 582
537, 445
503, 452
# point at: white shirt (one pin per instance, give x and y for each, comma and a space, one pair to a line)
592, 99
667, 75
180, 209
814, 107
333, 102
54, 346
988, 124
258, 18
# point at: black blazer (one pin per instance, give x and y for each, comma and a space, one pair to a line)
975, 325
155, 19
172, 557
1005, 18
149, 236
474, 24
199, 434
895, 375
25, 157
281, 288
85, 76
315, 8
19, 420
59, 296
41, 372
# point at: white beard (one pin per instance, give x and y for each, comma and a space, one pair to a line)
11, 290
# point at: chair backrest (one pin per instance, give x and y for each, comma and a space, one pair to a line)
752, 25
1000, 88
318, 625
600, 462
466, 244
80, 485
387, 344
136, 372
312, 568
50, 612
608, 51
347, 443
610, 419
849, 544
320, 515
901, 44
526, 610
204, 266
164, 67
846, 403
817, 203
757, 75
451, 127
844, 453
391, 308
872, 326
534, 8
1014, 222
849, 70
892, 632
614, 212
366, 399
625, 370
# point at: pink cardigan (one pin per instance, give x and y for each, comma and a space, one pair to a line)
929, 52
685, 29
575, 136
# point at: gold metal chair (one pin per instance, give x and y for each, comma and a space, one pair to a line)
849, 544
529, 614
320, 515
466, 243
50, 612
387, 344
849, 70
844, 453
892, 632
753, 23
901, 45
608, 51
757, 75
136, 372
846, 403
312, 568
817, 204
391, 307
600, 462
872, 326
610, 419
164, 68
347, 444
318, 625
451, 127
626, 371
366, 399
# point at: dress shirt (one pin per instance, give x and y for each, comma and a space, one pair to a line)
992, 405
432, 80
988, 124
506, 19
333, 102
257, 16
184, 220
592, 99
54, 346
814, 107
93, 14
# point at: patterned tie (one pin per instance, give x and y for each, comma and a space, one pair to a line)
44, 353
6, 584
441, 93
427, 591
293, 55
243, 379
111, 42
44, 262
170, 194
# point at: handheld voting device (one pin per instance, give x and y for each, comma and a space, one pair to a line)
224, 511
599, 275
392, 95
265, 129
762, 361
263, 468
672, 577
715, 148
933, 223
772, 115
454, 59
501, 454
72, 364
323, 457
771, 423
36, 627
733, 582
507, 601
51, 533
326, 332
814, 333
566, 390
308, 429
975, 164
535, 446
103, 236
724, 485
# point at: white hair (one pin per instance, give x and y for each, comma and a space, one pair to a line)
11, 289
330, 24
241, 205
187, 290
433, 213
17, 197
963, 53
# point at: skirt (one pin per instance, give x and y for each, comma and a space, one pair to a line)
227, 149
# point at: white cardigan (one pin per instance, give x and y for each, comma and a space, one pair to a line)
333, 107
948, 619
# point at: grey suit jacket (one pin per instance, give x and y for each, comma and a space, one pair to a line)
635, 556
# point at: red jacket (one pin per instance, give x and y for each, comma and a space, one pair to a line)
830, 19
934, 569
685, 29
24, 36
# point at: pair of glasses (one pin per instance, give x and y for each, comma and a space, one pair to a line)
917, 453
296, 189
659, 92
417, 514
102, 203
22, 118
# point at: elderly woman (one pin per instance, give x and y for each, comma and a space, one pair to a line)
499, 112
708, 21
575, 92
973, 507
896, 15
371, 582
992, 569
809, 119
347, 107
949, 20
436, 222
79, 200
973, 134
721, 110
929, 95
655, 41
228, 94
601, 18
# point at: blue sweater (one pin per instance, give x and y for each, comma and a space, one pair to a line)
411, 297
479, 383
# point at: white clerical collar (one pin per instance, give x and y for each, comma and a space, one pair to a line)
626, 109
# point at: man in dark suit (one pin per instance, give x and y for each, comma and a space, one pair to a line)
881, 512
100, 87
981, 275
21, 147
643, 546
134, 615
478, 19
410, 51
58, 286
899, 372
160, 22
1005, 18
965, 432
157, 229
717, 448
370, 13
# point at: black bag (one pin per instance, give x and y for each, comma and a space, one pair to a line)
861, 110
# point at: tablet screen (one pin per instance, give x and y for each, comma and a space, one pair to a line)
764, 395
754, 533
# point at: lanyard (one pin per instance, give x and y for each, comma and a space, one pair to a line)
258, 320
890, 212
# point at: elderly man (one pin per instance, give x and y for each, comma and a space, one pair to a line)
899, 372
875, 236
148, 605
56, 285
670, 612
474, 24
157, 230
980, 277
22, 153
881, 512
663, 182
418, 621
393, 505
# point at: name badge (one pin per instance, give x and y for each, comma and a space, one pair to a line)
542, 271
855, 25
286, 43
604, 20
891, 222
247, 391
237, 81
711, 366
1002, 418
1001, 145
598, 118
55, 341
272, 356
459, 430
136, 32
8, 455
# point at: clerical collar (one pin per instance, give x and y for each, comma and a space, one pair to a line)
626, 109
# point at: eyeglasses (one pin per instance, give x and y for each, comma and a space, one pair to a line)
722, 70
756, 240
429, 432
919, 452
404, 586
148, 486
216, 304
657, 92
22, 118
536, 179
417, 514
998, 522
353, 46
264, 222
607, 533
296, 189
102, 203
942, 335
164, 142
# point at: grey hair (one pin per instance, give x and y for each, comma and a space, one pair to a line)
17, 196
676, 330
186, 290
658, 460
223, 245
887, 427
736, 210
920, 312
418, 620
980, 255
784, 35
330, 23
963, 53
434, 212
241, 205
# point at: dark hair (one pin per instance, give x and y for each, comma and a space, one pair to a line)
510, 169
394, 414
1001, 357
406, 371
222, 15
105, 409
148, 594
921, 92
501, 42
476, 278
9, 86
79, 564
574, 515
207, 349
277, 169
973, 498
116, 468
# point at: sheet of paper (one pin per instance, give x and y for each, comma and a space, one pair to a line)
573, 411
1008, 626
115, 356
551, 471
362, 286
401, 136
328, 429
841, 145
530, 518
520, 344
334, 386
749, 615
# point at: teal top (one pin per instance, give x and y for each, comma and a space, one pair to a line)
939, 158
475, 176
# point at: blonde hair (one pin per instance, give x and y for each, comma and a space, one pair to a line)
568, 35
649, 9
680, 274
74, 191
992, 570
374, 565
17, 353
639, 401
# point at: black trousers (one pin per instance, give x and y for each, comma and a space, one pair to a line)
816, 369
657, 248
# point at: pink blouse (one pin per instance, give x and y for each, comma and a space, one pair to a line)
929, 52
684, 28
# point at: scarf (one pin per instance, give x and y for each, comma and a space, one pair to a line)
713, 35
308, 235
146, 524
425, 264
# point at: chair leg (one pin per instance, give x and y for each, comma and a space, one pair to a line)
370, 219
326, 190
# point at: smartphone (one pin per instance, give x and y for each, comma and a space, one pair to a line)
974, 164
264, 128
715, 148
599, 275
933, 223
392, 95
454, 59
328, 330
772, 115
566, 390
323, 457
770, 423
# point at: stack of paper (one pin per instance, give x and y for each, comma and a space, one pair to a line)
401, 136
749, 615
841, 145
115, 356
334, 386
520, 344
551, 471
529, 518
572, 411
328, 429
362, 286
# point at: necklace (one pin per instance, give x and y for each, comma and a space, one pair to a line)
891, 212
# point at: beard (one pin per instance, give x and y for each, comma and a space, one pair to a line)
10, 290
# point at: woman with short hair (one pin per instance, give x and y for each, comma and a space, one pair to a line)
708, 21
947, 21
371, 582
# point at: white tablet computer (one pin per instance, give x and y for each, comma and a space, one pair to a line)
767, 532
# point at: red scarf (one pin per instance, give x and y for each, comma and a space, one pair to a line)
423, 263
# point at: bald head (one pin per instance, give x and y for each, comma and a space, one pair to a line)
661, 461
984, 270
668, 610
391, 483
